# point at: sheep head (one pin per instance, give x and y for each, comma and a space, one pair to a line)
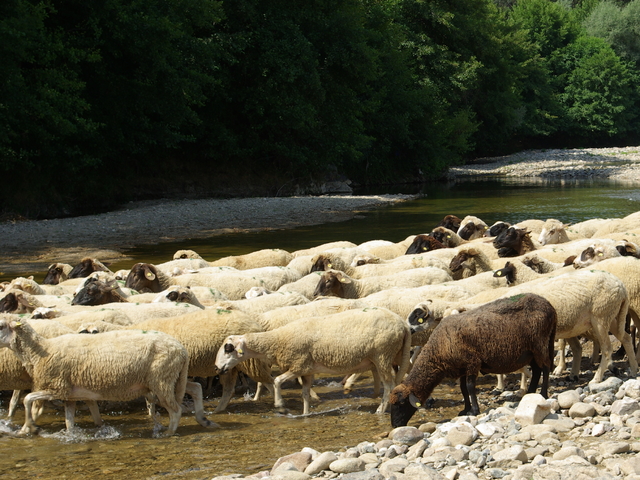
96, 292
321, 263
17, 301
143, 277
451, 222
365, 259
86, 267
423, 243
331, 284
56, 273
496, 229
232, 352
421, 318
508, 272
589, 256
404, 403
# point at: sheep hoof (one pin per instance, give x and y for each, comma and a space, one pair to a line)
210, 424
282, 410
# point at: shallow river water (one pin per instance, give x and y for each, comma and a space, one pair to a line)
251, 436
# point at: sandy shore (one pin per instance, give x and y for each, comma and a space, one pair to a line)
27, 245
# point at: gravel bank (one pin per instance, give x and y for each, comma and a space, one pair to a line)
622, 164
28, 245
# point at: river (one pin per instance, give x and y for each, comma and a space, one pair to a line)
251, 436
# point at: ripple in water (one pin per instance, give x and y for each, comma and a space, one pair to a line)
81, 435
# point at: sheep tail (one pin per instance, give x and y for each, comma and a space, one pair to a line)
405, 362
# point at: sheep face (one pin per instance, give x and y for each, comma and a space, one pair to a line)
55, 274
423, 243
17, 302
589, 256
321, 264
459, 261
360, 260
534, 264
451, 222
96, 292
421, 318
331, 284
231, 353
496, 229
86, 267
444, 236
508, 272
468, 231
7, 333
143, 277
42, 313
403, 405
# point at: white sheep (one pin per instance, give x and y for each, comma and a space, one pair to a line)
145, 277
117, 366
323, 247
337, 283
305, 286
390, 267
588, 228
202, 334
346, 342
388, 252
472, 227
13, 375
268, 257
29, 285
533, 225
554, 231
600, 251
264, 303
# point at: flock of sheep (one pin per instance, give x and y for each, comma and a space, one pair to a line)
464, 299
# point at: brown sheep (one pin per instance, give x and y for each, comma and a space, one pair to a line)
514, 242
423, 243
451, 222
499, 337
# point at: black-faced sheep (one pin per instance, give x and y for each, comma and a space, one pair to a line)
86, 267
346, 342
451, 222
56, 273
513, 242
423, 243
499, 337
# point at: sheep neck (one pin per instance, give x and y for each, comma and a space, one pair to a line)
29, 347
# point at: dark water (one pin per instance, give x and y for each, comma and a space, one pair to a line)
252, 436
490, 200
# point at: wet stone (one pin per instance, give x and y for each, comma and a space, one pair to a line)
406, 435
321, 463
299, 460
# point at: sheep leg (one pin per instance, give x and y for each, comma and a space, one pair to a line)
414, 355
29, 424
625, 338
348, 382
602, 334
278, 401
170, 404
576, 351
195, 390
306, 382
95, 412
13, 403
562, 363
269, 387
313, 394
468, 388
387, 378
69, 415
500, 385
525, 375
228, 382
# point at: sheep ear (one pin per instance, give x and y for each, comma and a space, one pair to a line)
413, 400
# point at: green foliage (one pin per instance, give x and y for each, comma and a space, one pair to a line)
597, 89
619, 26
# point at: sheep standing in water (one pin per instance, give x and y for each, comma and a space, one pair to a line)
500, 337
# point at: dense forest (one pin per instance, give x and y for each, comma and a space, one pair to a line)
107, 101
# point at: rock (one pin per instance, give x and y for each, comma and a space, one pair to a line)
496, 473
406, 435
386, 443
347, 465
559, 422
532, 409
462, 434
534, 452
336, 188
582, 410
488, 429
611, 448
511, 453
568, 398
626, 406
631, 389
321, 463
611, 383
416, 451
630, 466
598, 430
428, 427
289, 475
566, 452
371, 474
299, 460
397, 465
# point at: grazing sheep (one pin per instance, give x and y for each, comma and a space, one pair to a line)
336, 283
347, 342
202, 334
499, 337
118, 365
56, 273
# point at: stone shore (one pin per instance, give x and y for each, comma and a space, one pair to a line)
590, 432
